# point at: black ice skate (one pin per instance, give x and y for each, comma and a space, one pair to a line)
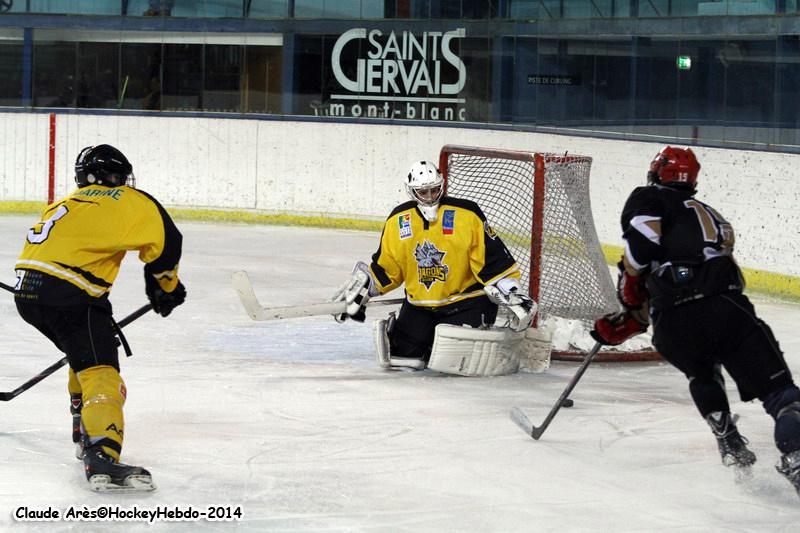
732, 446
106, 474
790, 469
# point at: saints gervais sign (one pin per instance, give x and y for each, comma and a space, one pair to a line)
398, 75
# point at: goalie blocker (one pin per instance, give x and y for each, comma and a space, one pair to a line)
467, 351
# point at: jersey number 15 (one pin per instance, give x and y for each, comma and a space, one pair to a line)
716, 229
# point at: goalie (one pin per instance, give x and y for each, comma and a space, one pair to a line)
456, 271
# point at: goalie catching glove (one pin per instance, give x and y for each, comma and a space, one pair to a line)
356, 292
616, 328
508, 294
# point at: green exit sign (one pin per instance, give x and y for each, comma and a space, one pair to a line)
684, 62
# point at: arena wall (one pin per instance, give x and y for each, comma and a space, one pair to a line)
353, 171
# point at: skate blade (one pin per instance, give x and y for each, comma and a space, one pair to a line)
731, 461
743, 474
102, 483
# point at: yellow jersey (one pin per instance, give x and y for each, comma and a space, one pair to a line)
75, 251
444, 261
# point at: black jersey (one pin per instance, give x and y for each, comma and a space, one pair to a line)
684, 246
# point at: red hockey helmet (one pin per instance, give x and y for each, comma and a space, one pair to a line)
676, 167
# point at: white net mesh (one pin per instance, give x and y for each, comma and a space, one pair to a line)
558, 251
573, 278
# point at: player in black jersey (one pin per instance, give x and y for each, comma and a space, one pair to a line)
678, 262
64, 276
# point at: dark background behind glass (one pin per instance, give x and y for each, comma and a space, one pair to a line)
10, 73
739, 92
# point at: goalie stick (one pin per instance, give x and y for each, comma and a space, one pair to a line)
6, 396
244, 288
535, 432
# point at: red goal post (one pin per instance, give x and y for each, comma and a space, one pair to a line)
539, 204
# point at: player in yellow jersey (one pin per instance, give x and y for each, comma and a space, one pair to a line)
456, 271
64, 276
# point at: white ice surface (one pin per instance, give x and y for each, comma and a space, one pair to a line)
295, 423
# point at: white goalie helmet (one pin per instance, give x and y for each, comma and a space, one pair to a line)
425, 185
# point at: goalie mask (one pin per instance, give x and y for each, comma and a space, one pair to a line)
425, 185
674, 167
103, 165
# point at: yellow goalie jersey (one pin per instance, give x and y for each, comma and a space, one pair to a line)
76, 250
444, 261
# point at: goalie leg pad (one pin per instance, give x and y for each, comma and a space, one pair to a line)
380, 331
535, 350
408, 362
466, 351
383, 357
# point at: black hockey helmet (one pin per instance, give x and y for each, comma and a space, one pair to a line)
103, 165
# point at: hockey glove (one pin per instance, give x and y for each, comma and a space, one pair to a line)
163, 302
356, 292
631, 290
616, 328
508, 294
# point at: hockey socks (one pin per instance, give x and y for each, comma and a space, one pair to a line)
101, 415
103, 426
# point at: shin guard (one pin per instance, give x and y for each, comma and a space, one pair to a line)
784, 406
787, 428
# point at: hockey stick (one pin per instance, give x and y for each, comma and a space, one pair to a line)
522, 420
244, 288
6, 396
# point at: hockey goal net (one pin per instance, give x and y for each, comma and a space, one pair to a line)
539, 204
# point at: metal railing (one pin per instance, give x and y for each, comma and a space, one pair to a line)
403, 9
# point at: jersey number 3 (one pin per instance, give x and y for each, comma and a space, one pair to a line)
41, 231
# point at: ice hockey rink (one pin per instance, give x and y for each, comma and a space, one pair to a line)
293, 422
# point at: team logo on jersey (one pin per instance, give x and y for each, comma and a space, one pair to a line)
430, 268
404, 222
489, 231
448, 221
